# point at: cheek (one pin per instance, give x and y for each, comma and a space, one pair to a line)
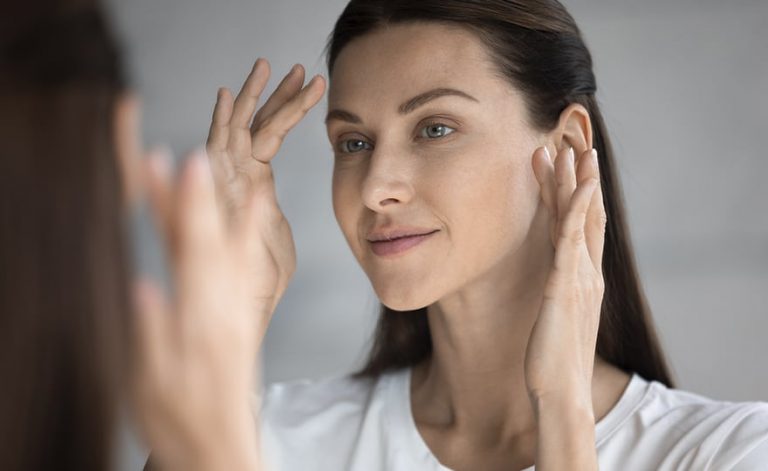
494, 206
346, 204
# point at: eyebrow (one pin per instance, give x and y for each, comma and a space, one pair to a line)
407, 107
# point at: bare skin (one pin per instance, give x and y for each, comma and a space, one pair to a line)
232, 254
500, 212
512, 278
488, 445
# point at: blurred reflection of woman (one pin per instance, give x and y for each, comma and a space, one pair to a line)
72, 355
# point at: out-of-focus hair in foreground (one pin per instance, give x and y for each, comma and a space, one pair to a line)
63, 304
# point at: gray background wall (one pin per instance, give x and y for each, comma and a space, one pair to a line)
683, 89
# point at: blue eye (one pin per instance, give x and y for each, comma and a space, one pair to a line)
351, 146
436, 131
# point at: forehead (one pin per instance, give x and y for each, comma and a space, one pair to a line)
398, 61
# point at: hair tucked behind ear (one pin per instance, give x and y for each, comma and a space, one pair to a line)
537, 46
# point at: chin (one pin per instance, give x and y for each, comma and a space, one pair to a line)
404, 297
403, 307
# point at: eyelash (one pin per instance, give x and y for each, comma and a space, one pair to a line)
422, 128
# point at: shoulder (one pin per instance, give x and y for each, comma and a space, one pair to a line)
320, 424
688, 411
300, 400
681, 429
741, 439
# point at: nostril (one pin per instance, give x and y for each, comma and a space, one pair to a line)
388, 201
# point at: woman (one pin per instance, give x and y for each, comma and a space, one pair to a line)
466, 185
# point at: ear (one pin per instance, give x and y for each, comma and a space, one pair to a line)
126, 124
574, 129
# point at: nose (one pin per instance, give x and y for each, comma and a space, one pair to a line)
387, 185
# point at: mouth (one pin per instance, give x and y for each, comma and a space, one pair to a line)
397, 242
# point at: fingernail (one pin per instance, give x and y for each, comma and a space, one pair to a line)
294, 69
546, 152
571, 154
593, 157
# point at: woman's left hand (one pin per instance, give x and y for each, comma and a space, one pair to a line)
561, 349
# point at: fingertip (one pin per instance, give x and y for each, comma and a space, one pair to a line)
317, 79
222, 94
547, 154
159, 162
542, 154
539, 158
261, 65
315, 88
199, 166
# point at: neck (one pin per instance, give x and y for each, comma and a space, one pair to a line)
475, 378
473, 385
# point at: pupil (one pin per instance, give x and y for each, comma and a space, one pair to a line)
436, 131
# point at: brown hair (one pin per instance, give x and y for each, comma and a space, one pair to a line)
537, 46
63, 302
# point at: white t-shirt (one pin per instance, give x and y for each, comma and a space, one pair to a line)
339, 424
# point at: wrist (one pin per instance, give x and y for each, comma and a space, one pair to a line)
571, 402
566, 434
237, 450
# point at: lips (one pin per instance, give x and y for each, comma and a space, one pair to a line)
396, 241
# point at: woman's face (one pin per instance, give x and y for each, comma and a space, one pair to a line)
428, 139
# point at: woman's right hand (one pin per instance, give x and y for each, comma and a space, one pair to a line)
241, 146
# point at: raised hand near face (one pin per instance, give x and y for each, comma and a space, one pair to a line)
231, 255
561, 349
241, 144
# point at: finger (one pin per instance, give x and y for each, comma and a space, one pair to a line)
152, 327
160, 190
128, 147
154, 339
545, 175
218, 134
565, 178
248, 98
287, 89
273, 130
218, 137
571, 236
197, 222
154, 334
596, 217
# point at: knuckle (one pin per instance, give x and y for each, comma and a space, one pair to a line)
576, 236
572, 232
271, 129
600, 285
